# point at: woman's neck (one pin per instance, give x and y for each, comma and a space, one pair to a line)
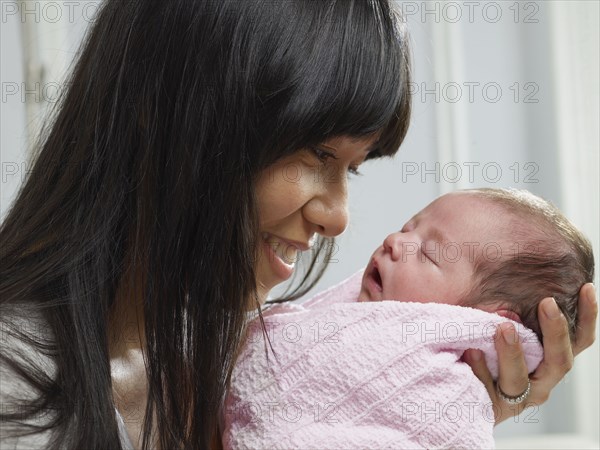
126, 344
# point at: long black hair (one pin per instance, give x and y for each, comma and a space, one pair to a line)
147, 166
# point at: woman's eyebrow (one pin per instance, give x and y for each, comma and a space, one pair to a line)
329, 147
367, 150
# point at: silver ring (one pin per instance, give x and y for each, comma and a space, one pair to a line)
516, 399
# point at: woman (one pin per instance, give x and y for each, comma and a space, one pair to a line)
143, 235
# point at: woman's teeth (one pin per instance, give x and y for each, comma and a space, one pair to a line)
286, 252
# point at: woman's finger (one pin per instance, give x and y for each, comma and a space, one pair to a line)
512, 369
513, 376
476, 360
558, 356
587, 314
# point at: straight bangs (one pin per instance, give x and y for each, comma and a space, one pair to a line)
351, 77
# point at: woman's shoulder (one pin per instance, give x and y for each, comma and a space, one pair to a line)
25, 339
27, 342
23, 332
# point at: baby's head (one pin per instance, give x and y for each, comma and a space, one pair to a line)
498, 250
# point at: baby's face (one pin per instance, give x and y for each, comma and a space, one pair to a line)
432, 258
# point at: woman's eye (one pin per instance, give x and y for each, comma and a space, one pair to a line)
354, 170
322, 155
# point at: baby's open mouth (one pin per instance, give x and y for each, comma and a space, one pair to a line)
377, 277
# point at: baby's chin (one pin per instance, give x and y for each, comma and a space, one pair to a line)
363, 296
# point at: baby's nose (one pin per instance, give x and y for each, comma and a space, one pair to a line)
392, 244
401, 245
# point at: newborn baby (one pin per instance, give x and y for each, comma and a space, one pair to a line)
376, 361
498, 250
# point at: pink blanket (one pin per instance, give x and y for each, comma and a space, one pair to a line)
365, 375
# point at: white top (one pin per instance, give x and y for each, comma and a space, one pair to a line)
11, 385
123, 436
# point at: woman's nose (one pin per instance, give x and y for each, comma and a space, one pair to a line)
329, 211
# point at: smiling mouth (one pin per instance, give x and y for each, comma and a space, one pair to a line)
287, 253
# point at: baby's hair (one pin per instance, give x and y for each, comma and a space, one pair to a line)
550, 258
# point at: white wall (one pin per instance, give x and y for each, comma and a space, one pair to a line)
540, 133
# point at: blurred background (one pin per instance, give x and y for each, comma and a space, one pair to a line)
506, 94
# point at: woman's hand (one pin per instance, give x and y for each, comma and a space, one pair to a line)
558, 355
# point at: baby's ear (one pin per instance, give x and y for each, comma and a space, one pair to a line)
509, 314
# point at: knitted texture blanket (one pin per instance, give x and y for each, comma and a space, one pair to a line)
343, 374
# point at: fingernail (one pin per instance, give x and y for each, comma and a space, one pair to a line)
509, 333
551, 310
594, 300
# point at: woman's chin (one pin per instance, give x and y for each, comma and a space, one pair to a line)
262, 293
